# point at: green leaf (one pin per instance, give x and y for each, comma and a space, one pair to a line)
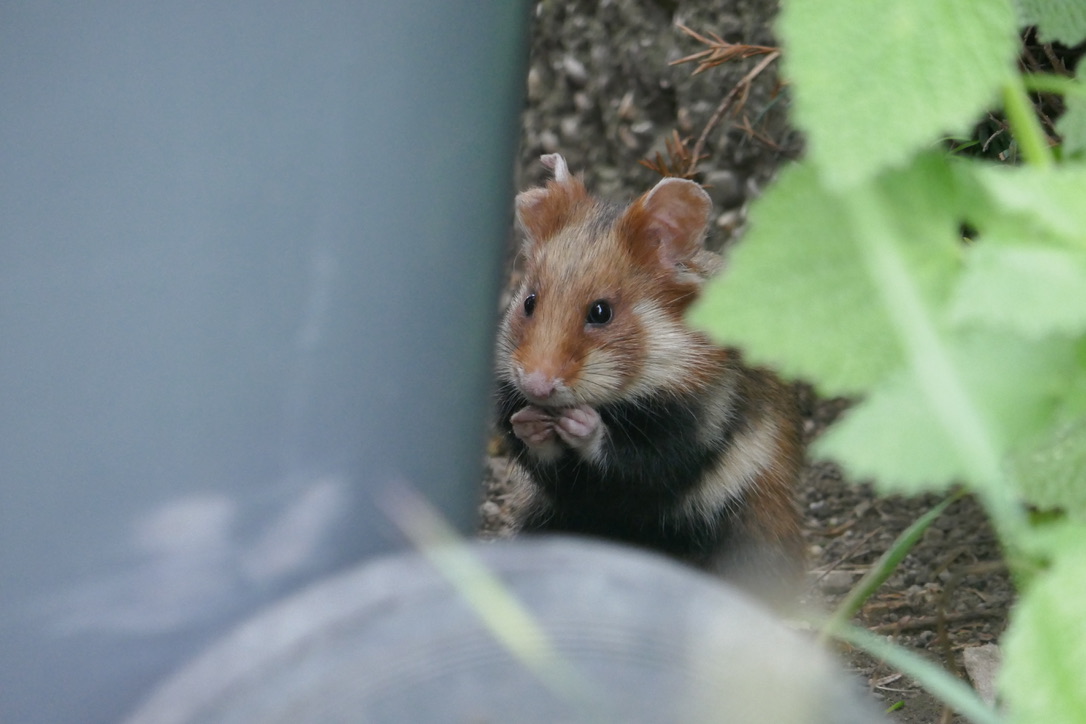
1072, 124
1043, 201
874, 82
897, 436
797, 292
1032, 289
796, 272
1061, 21
1028, 270
1052, 473
1044, 649
1050, 469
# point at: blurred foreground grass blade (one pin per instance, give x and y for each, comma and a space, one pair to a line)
946, 687
502, 614
882, 569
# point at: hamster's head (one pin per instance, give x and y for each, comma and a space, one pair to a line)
598, 316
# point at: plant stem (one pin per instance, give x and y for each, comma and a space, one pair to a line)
1049, 83
1025, 127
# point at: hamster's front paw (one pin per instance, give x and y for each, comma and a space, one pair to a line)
582, 429
535, 427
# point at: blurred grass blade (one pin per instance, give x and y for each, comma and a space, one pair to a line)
882, 569
946, 687
501, 613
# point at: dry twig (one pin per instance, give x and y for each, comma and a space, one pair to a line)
739, 89
719, 51
679, 162
682, 162
927, 623
760, 136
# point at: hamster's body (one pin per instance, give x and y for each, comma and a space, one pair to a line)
626, 423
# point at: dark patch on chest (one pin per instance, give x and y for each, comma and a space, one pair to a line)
656, 452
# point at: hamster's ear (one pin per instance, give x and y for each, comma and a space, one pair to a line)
543, 211
667, 223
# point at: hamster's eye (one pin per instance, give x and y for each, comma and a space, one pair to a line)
599, 312
529, 304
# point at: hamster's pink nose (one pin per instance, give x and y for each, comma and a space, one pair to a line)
538, 385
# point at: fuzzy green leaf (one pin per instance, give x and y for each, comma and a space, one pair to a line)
1044, 649
1052, 473
898, 437
1033, 289
1061, 21
874, 82
894, 438
1041, 201
1050, 469
797, 292
1028, 271
1072, 124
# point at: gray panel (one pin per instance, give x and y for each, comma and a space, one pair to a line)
249, 254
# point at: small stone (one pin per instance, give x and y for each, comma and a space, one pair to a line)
982, 665
570, 127
574, 70
535, 85
548, 140
728, 220
837, 581
683, 120
628, 138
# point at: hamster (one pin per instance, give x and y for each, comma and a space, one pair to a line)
625, 423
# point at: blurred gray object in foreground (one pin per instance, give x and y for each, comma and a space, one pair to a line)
250, 254
637, 639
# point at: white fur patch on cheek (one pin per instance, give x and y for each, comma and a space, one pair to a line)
506, 347
669, 350
601, 377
